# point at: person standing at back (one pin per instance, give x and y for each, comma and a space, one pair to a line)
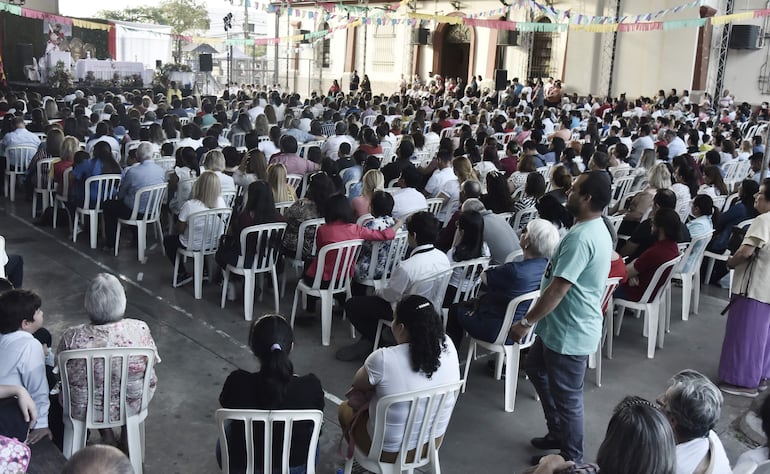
354, 81
569, 316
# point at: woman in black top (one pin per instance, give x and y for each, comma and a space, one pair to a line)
274, 387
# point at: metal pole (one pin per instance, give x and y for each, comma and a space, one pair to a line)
366, 35
614, 50
288, 47
275, 65
723, 47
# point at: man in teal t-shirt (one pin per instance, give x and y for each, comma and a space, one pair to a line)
569, 317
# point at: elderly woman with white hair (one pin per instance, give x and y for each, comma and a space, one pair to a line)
105, 304
214, 160
693, 404
483, 318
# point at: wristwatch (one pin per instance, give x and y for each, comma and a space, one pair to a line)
524, 322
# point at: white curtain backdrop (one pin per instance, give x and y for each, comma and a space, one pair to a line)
137, 42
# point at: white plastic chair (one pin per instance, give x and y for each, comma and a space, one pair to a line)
595, 360
184, 120
344, 254
712, 257
616, 221
363, 219
434, 205
61, 196
470, 281
214, 224
425, 407
690, 279
294, 180
239, 141
44, 185
522, 218
154, 197
282, 206
17, 162
75, 430
620, 188
396, 252
650, 303
507, 354
106, 188
167, 163
297, 262
268, 419
433, 288
2, 249
229, 197
514, 256
266, 243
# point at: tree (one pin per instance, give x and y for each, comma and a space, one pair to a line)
183, 16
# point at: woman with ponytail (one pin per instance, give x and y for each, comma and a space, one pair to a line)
273, 387
423, 357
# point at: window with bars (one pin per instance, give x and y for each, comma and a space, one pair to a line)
383, 59
542, 62
326, 49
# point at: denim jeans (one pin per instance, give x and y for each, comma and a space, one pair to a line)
558, 379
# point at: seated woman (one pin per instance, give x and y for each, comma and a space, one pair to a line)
549, 208
639, 440
667, 228
214, 161
102, 163
373, 181
381, 208
253, 167
105, 305
340, 226
206, 194
320, 187
180, 182
273, 387
713, 184
658, 177
561, 183
497, 198
702, 211
423, 358
259, 208
483, 318
276, 177
525, 167
468, 244
533, 191
741, 210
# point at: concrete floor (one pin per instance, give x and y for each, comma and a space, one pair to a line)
200, 344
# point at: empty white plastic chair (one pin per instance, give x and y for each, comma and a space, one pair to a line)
424, 408
17, 159
266, 239
71, 364
507, 354
268, 419
44, 185
106, 188
154, 197
595, 360
214, 223
650, 303
344, 255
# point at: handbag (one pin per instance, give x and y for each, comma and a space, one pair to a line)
14, 455
358, 400
735, 241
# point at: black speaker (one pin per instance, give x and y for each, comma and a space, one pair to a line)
501, 79
420, 36
24, 55
304, 39
204, 63
158, 64
507, 38
745, 37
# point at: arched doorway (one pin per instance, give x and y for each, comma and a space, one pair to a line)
452, 50
541, 62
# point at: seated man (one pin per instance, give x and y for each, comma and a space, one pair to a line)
145, 173
23, 360
424, 261
443, 184
693, 405
408, 199
643, 236
288, 157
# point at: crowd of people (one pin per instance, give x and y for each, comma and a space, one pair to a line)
550, 192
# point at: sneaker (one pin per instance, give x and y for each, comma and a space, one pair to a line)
183, 278
356, 351
763, 384
546, 442
738, 391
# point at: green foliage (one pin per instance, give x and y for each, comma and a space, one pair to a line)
182, 16
60, 77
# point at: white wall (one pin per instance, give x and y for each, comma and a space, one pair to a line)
50, 6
